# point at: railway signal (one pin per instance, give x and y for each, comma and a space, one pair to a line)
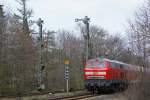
66, 72
40, 66
86, 35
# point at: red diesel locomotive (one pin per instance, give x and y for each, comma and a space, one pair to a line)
104, 74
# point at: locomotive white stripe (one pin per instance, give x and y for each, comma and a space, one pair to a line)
97, 73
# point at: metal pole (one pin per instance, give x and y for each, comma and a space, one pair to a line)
67, 83
87, 39
40, 77
86, 36
66, 74
1, 30
67, 87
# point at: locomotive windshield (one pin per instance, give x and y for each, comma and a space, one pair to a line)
95, 64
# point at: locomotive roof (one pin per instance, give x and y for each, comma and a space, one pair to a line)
105, 59
115, 61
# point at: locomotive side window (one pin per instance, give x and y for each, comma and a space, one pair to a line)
121, 66
117, 65
112, 65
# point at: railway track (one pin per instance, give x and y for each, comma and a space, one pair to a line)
77, 97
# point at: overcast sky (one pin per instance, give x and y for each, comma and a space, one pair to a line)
60, 14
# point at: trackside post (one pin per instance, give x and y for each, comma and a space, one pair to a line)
66, 74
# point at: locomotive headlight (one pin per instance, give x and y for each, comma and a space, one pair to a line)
101, 73
89, 73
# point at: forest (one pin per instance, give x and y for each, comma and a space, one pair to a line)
19, 51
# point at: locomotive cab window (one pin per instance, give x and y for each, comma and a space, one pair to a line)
100, 65
95, 64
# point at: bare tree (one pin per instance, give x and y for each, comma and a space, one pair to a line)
18, 59
114, 46
103, 44
1, 31
139, 39
24, 16
72, 47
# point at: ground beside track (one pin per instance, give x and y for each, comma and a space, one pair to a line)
116, 96
111, 96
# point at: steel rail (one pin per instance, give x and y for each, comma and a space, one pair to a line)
77, 97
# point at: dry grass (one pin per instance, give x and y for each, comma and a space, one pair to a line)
140, 91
